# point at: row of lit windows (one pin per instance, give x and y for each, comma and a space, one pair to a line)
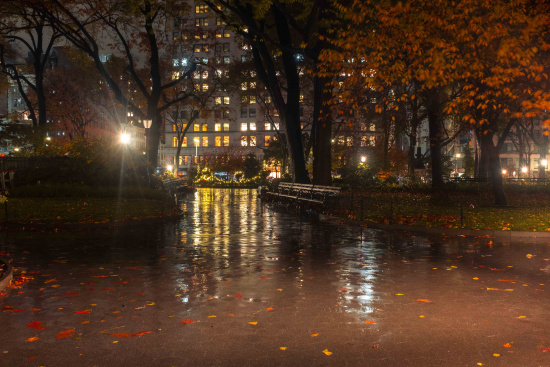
204, 22
349, 141
245, 126
219, 141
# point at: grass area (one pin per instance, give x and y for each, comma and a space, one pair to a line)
527, 210
89, 210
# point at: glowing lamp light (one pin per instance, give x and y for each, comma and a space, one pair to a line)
458, 155
363, 159
524, 169
124, 138
169, 167
544, 162
504, 171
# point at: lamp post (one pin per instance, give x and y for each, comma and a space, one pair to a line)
542, 168
147, 126
457, 156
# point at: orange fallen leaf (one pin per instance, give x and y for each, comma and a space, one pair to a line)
269, 309
121, 335
142, 333
187, 321
316, 334
238, 296
370, 322
33, 339
65, 334
423, 300
507, 345
326, 351
264, 277
82, 312
344, 289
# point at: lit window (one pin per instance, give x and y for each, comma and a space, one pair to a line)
218, 127
197, 48
267, 140
244, 126
226, 126
252, 126
204, 127
174, 127
244, 86
226, 141
225, 100
276, 126
252, 99
196, 75
226, 60
184, 143
220, 21
176, 62
218, 100
244, 141
201, 22
252, 85
199, 9
204, 74
349, 141
372, 127
363, 126
183, 62
341, 140
226, 33
252, 141
218, 141
196, 127
205, 87
243, 58
175, 142
372, 140
205, 141
267, 126
218, 33
301, 97
364, 141
244, 99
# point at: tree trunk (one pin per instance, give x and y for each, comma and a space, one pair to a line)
322, 147
494, 169
433, 106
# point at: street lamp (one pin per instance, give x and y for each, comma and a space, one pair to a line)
125, 138
147, 126
363, 159
504, 171
457, 156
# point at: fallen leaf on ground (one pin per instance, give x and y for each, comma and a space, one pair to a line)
326, 351
423, 300
65, 334
370, 322
33, 339
36, 325
269, 309
187, 321
282, 348
507, 345
253, 322
82, 312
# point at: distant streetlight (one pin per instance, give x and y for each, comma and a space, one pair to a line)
363, 159
457, 156
169, 167
544, 163
48, 138
16, 149
524, 169
125, 138
504, 171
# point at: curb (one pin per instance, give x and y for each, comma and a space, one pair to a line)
6, 279
501, 235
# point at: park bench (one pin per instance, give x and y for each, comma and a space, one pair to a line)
304, 193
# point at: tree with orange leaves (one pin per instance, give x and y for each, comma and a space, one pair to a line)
481, 60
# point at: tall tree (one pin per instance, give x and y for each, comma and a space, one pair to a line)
29, 32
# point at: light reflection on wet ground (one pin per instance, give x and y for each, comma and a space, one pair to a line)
236, 283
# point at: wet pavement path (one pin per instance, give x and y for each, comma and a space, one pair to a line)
236, 283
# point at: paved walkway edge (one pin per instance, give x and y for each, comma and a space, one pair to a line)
502, 235
5, 280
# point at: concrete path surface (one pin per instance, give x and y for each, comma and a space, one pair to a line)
237, 283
